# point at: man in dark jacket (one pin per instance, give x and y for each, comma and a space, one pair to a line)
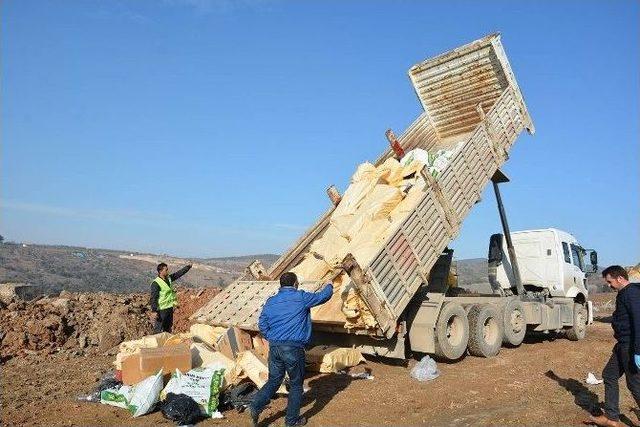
163, 297
625, 358
285, 322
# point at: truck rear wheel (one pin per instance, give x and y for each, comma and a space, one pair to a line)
579, 329
485, 330
514, 323
452, 332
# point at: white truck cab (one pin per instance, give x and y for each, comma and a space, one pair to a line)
548, 259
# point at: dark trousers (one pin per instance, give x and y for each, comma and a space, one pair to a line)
289, 359
164, 321
621, 362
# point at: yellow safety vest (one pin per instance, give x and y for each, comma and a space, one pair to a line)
167, 297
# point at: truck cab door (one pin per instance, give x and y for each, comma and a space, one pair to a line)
577, 262
568, 269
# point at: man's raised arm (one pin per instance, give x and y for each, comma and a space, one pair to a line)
178, 274
311, 299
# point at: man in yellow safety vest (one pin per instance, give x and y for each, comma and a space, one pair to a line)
163, 297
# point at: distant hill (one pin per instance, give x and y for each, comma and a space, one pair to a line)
265, 258
238, 263
91, 270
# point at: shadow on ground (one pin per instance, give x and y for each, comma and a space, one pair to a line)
322, 390
583, 397
602, 319
534, 337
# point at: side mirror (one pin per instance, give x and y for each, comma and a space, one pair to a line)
592, 267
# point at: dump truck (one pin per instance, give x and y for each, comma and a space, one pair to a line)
474, 108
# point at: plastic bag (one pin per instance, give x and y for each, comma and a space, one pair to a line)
592, 380
145, 395
239, 397
117, 396
416, 155
181, 408
201, 384
173, 386
425, 369
436, 162
107, 382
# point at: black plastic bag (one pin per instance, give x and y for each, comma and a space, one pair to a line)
238, 397
107, 381
181, 408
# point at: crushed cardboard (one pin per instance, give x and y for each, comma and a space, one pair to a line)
206, 333
256, 368
327, 359
148, 361
203, 356
128, 348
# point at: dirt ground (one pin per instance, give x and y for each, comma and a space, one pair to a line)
541, 382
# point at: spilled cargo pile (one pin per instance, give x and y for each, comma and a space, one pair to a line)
376, 202
208, 369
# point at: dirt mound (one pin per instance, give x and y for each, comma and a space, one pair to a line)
76, 323
86, 323
190, 301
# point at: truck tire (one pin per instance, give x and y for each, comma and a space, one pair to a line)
514, 323
485, 330
579, 329
452, 332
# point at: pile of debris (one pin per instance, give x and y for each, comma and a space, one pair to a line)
84, 323
197, 374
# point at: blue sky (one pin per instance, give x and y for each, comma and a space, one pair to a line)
211, 127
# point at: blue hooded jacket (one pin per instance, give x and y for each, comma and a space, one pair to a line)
286, 316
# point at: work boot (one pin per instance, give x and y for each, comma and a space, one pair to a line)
603, 421
301, 421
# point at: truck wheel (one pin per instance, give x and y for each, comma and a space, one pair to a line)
579, 329
485, 330
452, 332
515, 324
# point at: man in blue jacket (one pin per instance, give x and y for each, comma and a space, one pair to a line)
285, 322
625, 359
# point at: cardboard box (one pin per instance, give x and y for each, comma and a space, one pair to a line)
261, 346
202, 355
234, 341
257, 369
148, 361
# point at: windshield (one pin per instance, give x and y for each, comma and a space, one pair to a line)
577, 253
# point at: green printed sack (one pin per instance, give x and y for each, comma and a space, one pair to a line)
145, 395
203, 385
116, 396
